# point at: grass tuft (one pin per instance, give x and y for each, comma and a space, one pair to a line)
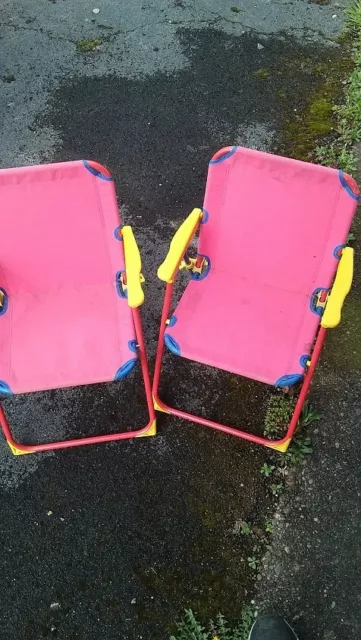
340, 153
190, 629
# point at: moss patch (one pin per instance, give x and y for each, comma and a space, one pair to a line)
263, 74
85, 46
315, 120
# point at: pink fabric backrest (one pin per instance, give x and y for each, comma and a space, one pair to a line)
275, 220
60, 253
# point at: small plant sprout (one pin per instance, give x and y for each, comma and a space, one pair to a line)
267, 470
268, 526
243, 528
277, 489
253, 562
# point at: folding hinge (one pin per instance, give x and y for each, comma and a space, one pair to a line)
196, 265
123, 281
318, 300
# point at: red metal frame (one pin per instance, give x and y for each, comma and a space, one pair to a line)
280, 445
19, 449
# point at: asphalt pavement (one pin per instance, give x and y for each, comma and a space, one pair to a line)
113, 542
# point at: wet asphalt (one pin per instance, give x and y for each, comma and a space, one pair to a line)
113, 542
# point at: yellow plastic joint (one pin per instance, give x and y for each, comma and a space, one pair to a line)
179, 245
133, 268
192, 266
341, 286
152, 431
280, 447
18, 452
157, 407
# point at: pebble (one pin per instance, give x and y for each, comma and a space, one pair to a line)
55, 606
134, 601
260, 46
96, 11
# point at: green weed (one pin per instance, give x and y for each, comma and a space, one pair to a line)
278, 415
340, 153
277, 488
267, 469
253, 562
308, 415
354, 16
190, 629
299, 449
268, 526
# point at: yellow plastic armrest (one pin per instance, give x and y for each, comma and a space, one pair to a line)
179, 245
342, 285
133, 268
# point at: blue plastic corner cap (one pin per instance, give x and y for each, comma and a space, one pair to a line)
289, 380
172, 344
118, 234
337, 252
205, 216
172, 321
125, 369
5, 302
96, 173
225, 156
304, 359
346, 186
132, 345
4, 388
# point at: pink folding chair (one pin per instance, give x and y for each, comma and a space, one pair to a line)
272, 236
70, 288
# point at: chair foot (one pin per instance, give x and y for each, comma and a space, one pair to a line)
19, 452
157, 406
152, 431
280, 447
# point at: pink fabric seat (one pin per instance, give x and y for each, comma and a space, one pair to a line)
272, 232
63, 322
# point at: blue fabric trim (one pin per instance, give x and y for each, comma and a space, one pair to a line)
132, 345
172, 321
205, 216
225, 156
172, 344
4, 308
4, 388
289, 380
346, 186
317, 310
337, 249
118, 285
117, 235
304, 359
201, 276
125, 369
96, 173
